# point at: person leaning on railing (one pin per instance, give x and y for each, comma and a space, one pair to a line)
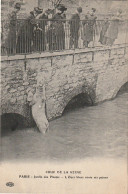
56, 32
89, 28
40, 32
74, 28
113, 28
105, 25
10, 42
25, 39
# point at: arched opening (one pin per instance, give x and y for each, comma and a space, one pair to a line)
78, 101
12, 121
123, 89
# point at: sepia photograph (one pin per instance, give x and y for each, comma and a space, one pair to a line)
64, 96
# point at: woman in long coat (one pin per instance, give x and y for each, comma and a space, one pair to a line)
88, 28
74, 28
112, 31
25, 38
40, 33
56, 32
104, 29
10, 43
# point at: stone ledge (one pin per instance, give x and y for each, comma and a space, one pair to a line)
59, 53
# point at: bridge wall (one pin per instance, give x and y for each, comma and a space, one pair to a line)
97, 72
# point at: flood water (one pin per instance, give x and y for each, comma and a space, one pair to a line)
86, 132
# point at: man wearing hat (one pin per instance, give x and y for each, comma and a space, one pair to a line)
37, 10
10, 42
25, 41
56, 32
105, 25
74, 28
89, 27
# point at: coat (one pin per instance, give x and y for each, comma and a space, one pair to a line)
27, 29
10, 42
88, 28
74, 24
112, 31
58, 25
39, 34
26, 35
43, 20
56, 33
104, 29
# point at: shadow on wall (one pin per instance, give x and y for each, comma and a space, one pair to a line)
12, 121
78, 101
123, 89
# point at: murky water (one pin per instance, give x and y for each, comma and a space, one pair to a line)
96, 131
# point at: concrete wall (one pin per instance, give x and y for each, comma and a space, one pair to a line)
97, 72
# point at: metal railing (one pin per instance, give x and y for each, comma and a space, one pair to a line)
25, 36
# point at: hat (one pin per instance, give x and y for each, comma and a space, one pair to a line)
79, 9
61, 7
94, 9
38, 10
17, 5
48, 11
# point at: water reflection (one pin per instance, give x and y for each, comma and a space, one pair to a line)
95, 131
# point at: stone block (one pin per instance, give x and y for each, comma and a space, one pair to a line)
25, 83
7, 87
101, 55
61, 61
45, 63
13, 100
12, 90
32, 64
117, 53
126, 50
21, 88
20, 98
120, 51
83, 57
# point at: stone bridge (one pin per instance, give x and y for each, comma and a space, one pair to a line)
98, 73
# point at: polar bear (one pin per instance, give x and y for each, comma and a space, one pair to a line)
38, 103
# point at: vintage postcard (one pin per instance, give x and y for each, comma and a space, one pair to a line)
64, 96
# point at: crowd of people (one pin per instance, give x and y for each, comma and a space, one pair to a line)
45, 30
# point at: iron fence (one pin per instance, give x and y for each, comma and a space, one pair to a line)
25, 36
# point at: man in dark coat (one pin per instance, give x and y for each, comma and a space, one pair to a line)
26, 33
89, 28
105, 25
56, 32
10, 43
74, 28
